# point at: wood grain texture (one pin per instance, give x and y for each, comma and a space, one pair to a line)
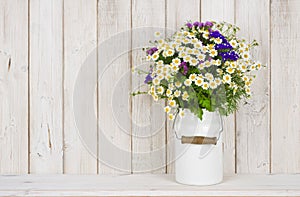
148, 121
253, 119
80, 39
46, 66
223, 11
285, 57
13, 87
178, 12
146, 185
114, 86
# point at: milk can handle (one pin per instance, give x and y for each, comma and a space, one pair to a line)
198, 139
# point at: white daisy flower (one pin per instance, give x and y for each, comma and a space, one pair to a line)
178, 84
168, 92
193, 62
156, 81
177, 93
170, 52
188, 82
213, 53
199, 81
181, 113
193, 77
233, 43
205, 85
176, 61
155, 56
167, 109
230, 70
172, 103
160, 90
171, 116
246, 56
227, 78
157, 34
213, 84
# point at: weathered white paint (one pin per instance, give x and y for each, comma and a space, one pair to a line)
253, 119
178, 12
46, 69
13, 86
148, 122
114, 86
223, 11
146, 185
80, 39
285, 84
52, 24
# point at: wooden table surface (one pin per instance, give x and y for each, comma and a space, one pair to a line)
146, 185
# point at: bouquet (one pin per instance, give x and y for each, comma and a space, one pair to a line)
203, 66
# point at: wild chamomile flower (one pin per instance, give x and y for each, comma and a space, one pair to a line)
177, 93
218, 81
171, 86
243, 67
209, 76
230, 70
246, 55
245, 78
160, 90
213, 84
181, 113
156, 81
155, 56
176, 61
227, 78
218, 40
155, 97
167, 109
188, 82
199, 81
193, 62
178, 84
171, 116
258, 65
201, 57
182, 54
172, 103
207, 64
187, 58
233, 43
213, 53
185, 96
168, 92
205, 85
157, 34
193, 77
170, 52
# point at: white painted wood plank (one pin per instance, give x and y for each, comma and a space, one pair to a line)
148, 120
146, 185
178, 13
114, 86
13, 87
46, 86
216, 10
285, 57
80, 39
253, 119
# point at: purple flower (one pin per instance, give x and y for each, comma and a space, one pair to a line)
209, 24
151, 51
201, 25
224, 45
215, 34
230, 55
189, 25
148, 78
185, 68
196, 24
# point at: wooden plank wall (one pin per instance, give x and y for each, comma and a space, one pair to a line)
44, 43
